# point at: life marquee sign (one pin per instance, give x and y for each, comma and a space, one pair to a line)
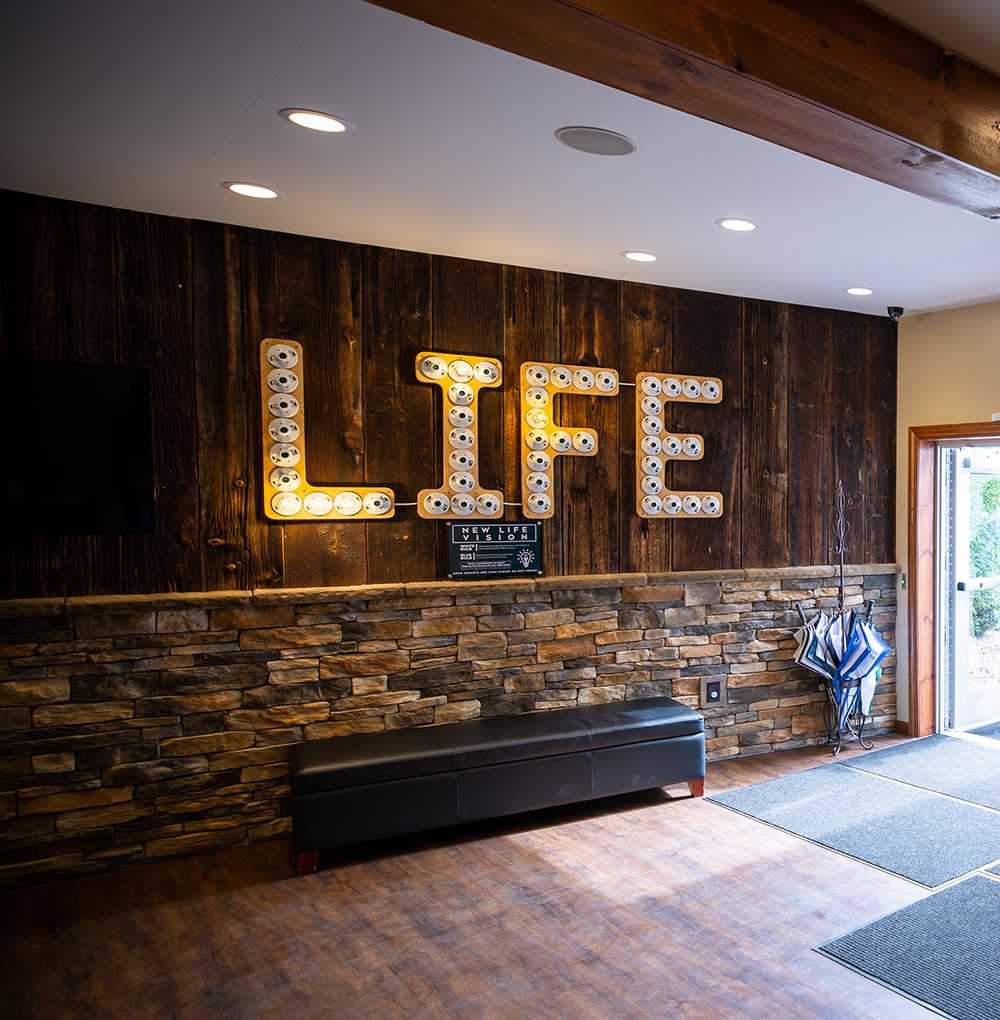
544, 437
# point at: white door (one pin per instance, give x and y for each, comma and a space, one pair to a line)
969, 585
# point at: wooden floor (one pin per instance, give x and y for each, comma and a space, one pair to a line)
660, 907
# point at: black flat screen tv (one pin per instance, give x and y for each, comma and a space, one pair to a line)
79, 449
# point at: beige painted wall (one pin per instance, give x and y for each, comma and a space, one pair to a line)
949, 371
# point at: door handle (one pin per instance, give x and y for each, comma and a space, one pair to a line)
978, 583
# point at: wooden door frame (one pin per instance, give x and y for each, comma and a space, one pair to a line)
925, 441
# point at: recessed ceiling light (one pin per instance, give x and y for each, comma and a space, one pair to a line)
316, 121
248, 190
737, 224
599, 141
858, 291
640, 256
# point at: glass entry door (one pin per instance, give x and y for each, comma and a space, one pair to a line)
969, 585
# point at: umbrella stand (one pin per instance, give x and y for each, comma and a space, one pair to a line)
841, 527
843, 711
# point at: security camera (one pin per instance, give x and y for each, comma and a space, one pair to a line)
895, 312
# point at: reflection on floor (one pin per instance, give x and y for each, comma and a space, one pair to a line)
655, 905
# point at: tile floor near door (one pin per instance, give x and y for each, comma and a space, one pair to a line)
647, 906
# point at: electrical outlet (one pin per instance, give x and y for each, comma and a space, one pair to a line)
713, 691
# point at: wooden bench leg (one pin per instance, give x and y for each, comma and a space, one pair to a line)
697, 787
306, 863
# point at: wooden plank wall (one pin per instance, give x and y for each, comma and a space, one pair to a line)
809, 397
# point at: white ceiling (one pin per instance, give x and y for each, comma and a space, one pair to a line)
147, 105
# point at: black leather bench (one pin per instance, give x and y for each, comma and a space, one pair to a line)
368, 786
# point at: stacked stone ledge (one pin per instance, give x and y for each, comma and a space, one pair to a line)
146, 727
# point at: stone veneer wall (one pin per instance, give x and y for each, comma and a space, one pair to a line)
144, 727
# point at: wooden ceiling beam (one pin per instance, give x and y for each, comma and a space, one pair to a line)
828, 78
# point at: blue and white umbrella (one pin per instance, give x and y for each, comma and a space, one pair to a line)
846, 651
814, 650
860, 664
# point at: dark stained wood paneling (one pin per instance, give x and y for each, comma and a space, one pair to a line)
226, 440
530, 333
846, 408
319, 294
251, 275
809, 435
466, 314
587, 490
399, 414
154, 324
646, 323
764, 491
13, 279
467, 319
707, 341
192, 301
70, 313
880, 441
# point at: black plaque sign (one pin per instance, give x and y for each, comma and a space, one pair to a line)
494, 550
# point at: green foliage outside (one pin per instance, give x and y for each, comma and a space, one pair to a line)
984, 551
